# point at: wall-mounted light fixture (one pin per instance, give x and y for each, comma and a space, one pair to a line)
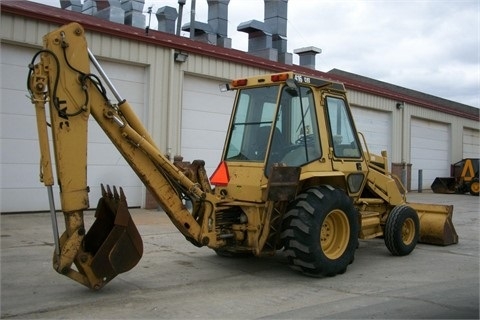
180, 56
400, 105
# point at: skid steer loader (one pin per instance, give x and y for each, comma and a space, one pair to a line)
464, 178
294, 174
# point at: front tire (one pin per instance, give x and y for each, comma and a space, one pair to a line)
402, 230
320, 232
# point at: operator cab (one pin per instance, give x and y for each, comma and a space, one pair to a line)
275, 121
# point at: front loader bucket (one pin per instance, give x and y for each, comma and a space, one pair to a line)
113, 240
436, 225
443, 185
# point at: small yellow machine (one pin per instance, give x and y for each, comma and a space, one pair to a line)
294, 175
464, 178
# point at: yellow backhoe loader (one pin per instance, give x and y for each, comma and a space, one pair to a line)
294, 174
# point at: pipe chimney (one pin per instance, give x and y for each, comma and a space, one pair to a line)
181, 3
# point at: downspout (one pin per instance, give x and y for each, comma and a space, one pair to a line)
170, 105
401, 106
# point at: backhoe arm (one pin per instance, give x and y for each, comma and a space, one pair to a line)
113, 245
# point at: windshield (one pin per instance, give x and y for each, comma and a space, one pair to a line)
295, 140
252, 124
291, 128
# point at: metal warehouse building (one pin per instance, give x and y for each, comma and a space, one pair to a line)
182, 107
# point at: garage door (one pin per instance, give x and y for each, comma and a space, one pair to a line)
105, 164
19, 162
376, 127
205, 116
471, 143
430, 151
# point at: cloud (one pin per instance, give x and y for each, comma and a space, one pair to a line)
429, 46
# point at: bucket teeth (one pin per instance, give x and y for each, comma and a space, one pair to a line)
109, 192
122, 195
104, 193
115, 193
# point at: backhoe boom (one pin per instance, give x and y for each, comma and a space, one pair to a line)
75, 94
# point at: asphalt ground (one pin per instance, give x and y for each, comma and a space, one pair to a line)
176, 280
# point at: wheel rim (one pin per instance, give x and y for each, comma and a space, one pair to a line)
475, 186
408, 231
334, 234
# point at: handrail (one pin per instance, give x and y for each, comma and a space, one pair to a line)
366, 147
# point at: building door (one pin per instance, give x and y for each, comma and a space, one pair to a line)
21, 189
430, 151
205, 117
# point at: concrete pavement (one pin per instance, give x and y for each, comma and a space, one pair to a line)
176, 280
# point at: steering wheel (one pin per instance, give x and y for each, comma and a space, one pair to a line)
305, 139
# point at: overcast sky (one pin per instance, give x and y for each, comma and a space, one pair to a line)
431, 46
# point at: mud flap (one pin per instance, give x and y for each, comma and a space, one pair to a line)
443, 185
113, 240
436, 225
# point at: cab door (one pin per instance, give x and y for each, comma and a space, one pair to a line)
345, 149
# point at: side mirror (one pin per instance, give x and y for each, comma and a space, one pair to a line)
224, 87
292, 87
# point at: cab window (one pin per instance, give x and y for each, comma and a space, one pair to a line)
343, 136
295, 140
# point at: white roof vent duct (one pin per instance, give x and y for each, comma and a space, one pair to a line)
307, 56
73, 5
89, 7
268, 39
134, 13
259, 39
166, 17
275, 17
110, 10
218, 21
215, 31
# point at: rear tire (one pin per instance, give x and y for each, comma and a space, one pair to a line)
320, 232
402, 230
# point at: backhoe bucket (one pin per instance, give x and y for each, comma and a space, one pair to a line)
443, 185
436, 225
113, 240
